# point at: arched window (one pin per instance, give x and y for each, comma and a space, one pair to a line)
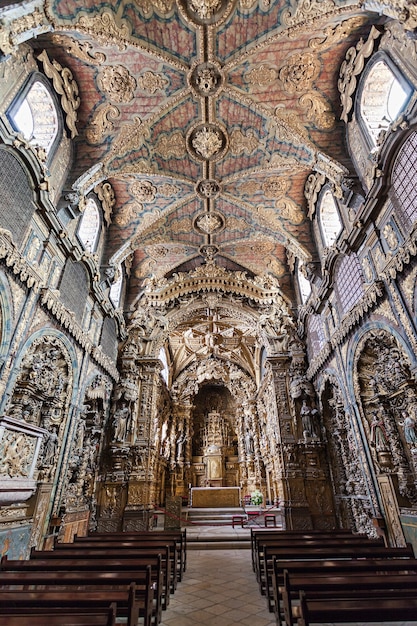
116, 288
316, 336
330, 223
36, 117
89, 228
404, 182
165, 371
383, 95
349, 283
303, 283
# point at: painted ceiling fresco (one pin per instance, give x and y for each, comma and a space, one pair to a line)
206, 117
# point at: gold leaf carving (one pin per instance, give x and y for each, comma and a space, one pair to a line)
262, 75
117, 83
333, 35
151, 82
290, 210
275, 186
183, 225
240, 142
82, 50
105, 30
168, 190
144, 191
307, 10
299, 72
65, 85
129, 213
107, 198
318, 110
237, 223
171, 145
161, 6
100, 125
130, 137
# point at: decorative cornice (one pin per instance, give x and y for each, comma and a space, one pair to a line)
17, 263
211, 278
50, 300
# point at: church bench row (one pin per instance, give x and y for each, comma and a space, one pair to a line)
329, 586
353, 610
179, 536
115, 560
81, 602
127, 547
323, 549
60, 617
109, 583
259, 535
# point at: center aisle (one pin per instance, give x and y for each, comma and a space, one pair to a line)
219, 588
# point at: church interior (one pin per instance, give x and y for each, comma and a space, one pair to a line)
208, 232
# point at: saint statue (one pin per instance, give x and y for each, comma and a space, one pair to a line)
121, 418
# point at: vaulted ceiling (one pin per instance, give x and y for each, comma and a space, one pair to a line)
206, 117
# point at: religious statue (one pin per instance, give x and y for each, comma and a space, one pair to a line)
121, 418
51, 445
379, 439
409, 429
250, 449
308, 416
180, 443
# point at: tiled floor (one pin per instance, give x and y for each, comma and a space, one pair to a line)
218, 589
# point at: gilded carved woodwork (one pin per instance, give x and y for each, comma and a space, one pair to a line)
65, 86
101, 125
117, 83
351, 69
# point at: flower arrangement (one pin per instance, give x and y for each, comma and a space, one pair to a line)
256, 498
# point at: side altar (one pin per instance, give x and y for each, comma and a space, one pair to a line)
215, 497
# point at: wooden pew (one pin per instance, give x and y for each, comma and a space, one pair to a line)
331, 568
124, 549
259, 540
91, 581
322, 552
93, 617
96, 565
38, 602
370, 609
178, 535
56, 560
347, 585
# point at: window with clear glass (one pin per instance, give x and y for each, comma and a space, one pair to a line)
316, 336
116, 289
36, 117
349, 283
330, 223
404, 182
89, 228
303, 284
383, 97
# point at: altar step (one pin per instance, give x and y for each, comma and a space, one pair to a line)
211, 516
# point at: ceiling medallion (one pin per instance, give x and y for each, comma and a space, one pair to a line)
209, 223
207, 142
209, 251
205, 79
207, 189
206, 11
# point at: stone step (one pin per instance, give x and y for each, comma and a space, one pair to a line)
203, 544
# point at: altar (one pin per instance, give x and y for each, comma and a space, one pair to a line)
215, 497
